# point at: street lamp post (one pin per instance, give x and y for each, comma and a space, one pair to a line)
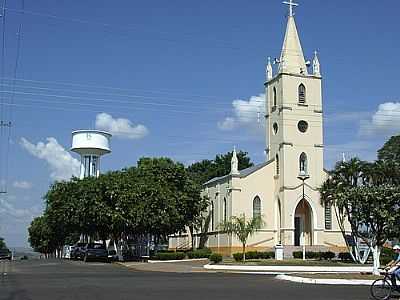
303, 177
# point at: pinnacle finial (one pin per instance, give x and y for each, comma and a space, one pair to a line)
269, 69
291, 5
316, 64
234, 163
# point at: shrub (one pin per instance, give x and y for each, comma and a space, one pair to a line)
387, 255
329, 255
254, 255
297, 254
169, 256
216, 258
267, 254
199, 253
237, 256
345, 256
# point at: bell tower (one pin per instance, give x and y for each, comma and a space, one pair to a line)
294, 130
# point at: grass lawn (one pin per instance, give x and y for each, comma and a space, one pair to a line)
288, 262
351, 276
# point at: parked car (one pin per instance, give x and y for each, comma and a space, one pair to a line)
112, 255
77, 251
95, 251
5, 254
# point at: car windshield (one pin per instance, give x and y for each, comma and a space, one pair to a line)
96, 246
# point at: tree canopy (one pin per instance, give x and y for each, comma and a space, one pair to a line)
2, 243
367, 196
390, 150
156, 197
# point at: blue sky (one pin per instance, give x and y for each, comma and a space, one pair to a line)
165, 75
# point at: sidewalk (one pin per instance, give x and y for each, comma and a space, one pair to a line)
290, 269
300, 279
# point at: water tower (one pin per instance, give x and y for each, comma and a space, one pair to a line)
90, 145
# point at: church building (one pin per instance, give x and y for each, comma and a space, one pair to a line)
284, 189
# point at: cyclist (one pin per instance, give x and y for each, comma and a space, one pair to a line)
394, 266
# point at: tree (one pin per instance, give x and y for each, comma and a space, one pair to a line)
344, 176
2, 243
40, 236
364, 194
376, 210
390, 150
242, 229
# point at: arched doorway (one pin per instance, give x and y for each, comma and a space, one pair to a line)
303, 224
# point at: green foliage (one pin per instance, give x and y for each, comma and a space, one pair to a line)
216, 258
387, 255
242, 228
169, 256
157, 197
2, 243
254, 255
391, 150
199, 253
345, 256
237, 256
205, 170
328, 255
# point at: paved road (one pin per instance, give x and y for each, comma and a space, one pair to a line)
64, 280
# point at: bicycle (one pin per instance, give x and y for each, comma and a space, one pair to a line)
382, 289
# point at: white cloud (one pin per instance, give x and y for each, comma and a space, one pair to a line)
385, 121
120, 127
245, 113
62, 165
25, 185
20, 213
227, 124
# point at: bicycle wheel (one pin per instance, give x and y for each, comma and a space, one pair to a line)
381, 289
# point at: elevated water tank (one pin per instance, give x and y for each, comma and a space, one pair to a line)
90, 145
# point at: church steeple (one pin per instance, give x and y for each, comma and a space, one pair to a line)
292, 58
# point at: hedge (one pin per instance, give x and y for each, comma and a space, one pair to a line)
345, 256
216, 258
254, 255
169, 256
199, 253
328, 255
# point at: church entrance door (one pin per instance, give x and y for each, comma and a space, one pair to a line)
303, 224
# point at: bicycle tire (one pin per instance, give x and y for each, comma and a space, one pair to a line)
381, 289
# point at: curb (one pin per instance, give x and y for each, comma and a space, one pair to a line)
324, 281
285, 269
175, 261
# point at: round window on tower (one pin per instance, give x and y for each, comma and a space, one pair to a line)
275, 128
302, 126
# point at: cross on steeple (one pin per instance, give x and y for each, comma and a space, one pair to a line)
291, 4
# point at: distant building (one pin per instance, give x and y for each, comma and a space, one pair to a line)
284, 189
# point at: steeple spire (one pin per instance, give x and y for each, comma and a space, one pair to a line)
292, 57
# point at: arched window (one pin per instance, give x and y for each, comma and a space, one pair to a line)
256, 207
277, 164
225, 211
274, 96
302, 94
303, 163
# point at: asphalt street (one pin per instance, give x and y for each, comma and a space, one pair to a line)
64, 280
